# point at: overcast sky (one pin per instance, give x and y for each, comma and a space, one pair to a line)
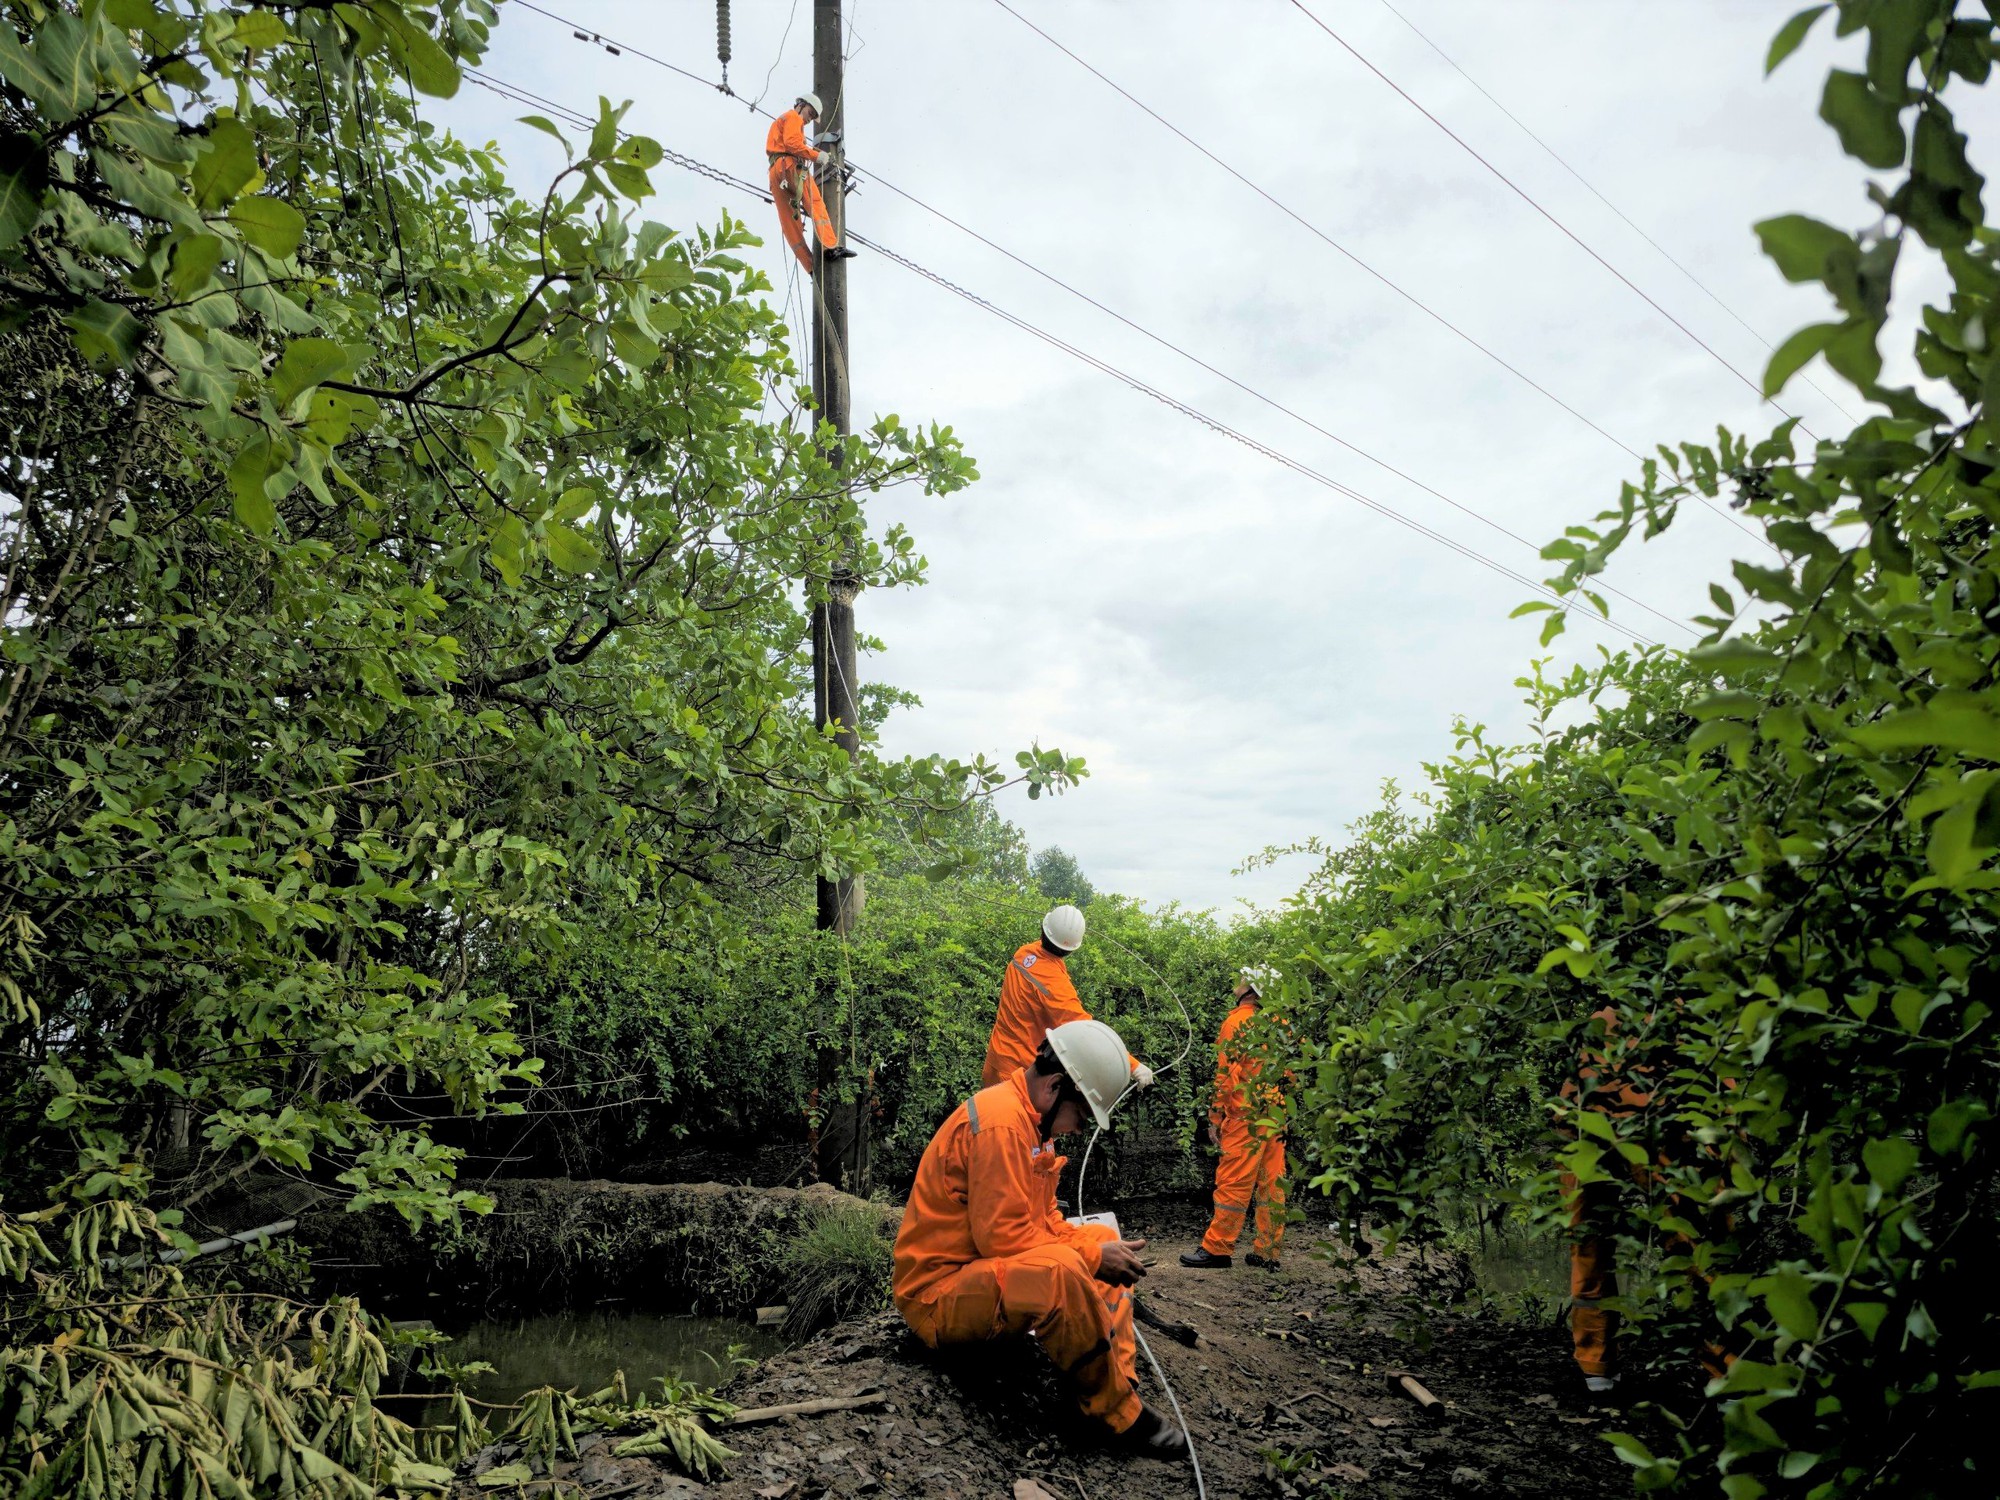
1242, 654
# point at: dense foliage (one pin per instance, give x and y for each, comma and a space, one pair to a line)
715, 1036
1757, 881
400, 574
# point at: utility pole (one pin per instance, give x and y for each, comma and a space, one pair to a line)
843, 1137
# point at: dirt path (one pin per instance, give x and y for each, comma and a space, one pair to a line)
1285, 1395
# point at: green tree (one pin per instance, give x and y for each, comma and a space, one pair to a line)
1060, 878
1770, 865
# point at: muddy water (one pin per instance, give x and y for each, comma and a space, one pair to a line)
583, 1349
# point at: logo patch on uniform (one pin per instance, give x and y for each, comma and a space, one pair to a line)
1029, 961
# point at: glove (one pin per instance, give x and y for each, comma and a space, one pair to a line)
1142, 1076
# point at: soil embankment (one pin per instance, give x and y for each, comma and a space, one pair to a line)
1285, 1395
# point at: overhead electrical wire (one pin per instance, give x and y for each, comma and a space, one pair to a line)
874, 177
1400, 291
1195, 414
1592, 188
620, 48
1528, 198
1410, 297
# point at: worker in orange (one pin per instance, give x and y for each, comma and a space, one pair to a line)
1613, 1079
984, 1253
794, 189
1245, 1119
1036, 993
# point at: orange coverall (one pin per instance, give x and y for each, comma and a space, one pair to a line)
983, 1253
1610, 1082
793, 187
1035, 995
1252, 1168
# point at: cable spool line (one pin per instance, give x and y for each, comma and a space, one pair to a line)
1253, 392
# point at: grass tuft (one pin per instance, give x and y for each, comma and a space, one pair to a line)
837, 1268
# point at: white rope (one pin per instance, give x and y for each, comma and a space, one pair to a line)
1200, 1487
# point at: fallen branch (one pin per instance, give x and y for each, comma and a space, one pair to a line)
799, 1409
1403, 1383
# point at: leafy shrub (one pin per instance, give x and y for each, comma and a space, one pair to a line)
1770, 863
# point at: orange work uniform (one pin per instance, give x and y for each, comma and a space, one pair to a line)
1616, 1084
1252, 1165
984, 1253
793, 187
1036, 995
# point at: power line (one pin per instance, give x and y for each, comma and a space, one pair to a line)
1291, 213
1591, 187
1407, 296
1529, 199
1274, 404
521, 95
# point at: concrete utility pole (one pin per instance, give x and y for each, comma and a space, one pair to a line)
843, 1139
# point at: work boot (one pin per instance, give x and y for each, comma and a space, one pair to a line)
1201, 1260
1254, 1259
1155, 1435
841, 252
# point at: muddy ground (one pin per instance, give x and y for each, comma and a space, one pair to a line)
1285, 1395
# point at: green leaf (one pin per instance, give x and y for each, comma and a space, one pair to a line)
225, 165
1869, 126
305, 363
253, 504
23, 177
506, 547
1949, 1122
570, 549
548, 127
271, 224
54, 70
1793, 355
1944, 725
105, 335
1802, 247
1889, 1161
430, 68
1788, 1297
575, 503
506, 1474
1793, 32
194, 259
260, 29
628, 179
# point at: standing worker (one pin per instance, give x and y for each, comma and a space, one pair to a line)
985, 1254
1245, 1118
1035, 995
794, 190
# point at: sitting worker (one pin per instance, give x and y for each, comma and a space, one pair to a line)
1245, 1117
794, 191
985, 1254
1035, 995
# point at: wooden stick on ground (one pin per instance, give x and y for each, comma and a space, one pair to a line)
1403, 1383
801, 1409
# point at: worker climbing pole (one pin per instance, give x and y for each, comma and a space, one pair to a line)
842, 1150
796, 163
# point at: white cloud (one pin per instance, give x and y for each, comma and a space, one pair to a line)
1242, 654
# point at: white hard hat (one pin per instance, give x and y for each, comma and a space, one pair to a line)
1096, 1062
1257, 978
1064, 928
811, 101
